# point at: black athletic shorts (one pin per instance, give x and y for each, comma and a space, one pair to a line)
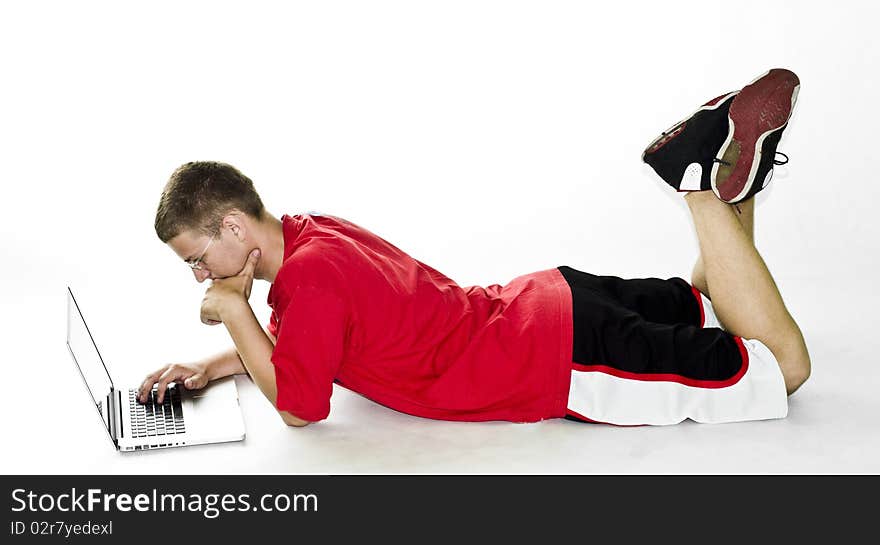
651, 351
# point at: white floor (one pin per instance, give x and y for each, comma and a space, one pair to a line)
832, 425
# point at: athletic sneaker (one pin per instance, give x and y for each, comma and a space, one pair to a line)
685, 153
757, 117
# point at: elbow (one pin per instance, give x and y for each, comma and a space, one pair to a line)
300, 424
292, 420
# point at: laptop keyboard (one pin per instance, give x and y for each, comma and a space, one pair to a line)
152, 418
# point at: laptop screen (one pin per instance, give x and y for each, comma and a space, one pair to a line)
87, 358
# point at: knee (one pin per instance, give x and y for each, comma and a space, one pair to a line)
795, 369
793, 381
790, 350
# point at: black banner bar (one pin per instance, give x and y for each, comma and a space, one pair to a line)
112, 508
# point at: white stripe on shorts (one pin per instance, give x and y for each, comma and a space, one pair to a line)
758, 395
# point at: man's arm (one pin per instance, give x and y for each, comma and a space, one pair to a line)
229, 362
255, 346
224, 364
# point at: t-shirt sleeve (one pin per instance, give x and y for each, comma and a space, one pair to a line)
310, 333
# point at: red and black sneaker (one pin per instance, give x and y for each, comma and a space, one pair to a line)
757, 117
684, 154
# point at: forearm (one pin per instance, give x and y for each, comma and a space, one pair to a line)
254, 347
224, 364
228, 362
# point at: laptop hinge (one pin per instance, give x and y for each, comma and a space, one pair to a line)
114, 410
119, 411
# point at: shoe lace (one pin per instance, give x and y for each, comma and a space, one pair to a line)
778, 162
775, 160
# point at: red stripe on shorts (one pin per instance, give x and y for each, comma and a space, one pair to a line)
673, 377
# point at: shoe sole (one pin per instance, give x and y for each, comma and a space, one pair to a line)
674, 130
762, 107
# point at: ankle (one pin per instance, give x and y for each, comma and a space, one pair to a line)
695, 197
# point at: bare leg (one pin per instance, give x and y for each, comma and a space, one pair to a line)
744, 294
746, 217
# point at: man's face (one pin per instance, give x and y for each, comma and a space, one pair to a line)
225, 256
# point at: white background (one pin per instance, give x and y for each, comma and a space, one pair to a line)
486, 139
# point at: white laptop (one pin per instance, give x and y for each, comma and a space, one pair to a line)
185, 417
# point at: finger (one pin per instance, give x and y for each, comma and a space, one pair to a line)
195, 382
173, 373
251, 264
205, 319
147, 385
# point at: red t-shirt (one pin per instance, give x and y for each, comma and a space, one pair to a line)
349, 307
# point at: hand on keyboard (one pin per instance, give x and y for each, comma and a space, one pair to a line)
191, 375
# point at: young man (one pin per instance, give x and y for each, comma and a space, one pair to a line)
350, 308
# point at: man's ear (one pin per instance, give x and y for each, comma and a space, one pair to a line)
235, 222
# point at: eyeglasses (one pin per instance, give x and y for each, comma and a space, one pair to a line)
196, 264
